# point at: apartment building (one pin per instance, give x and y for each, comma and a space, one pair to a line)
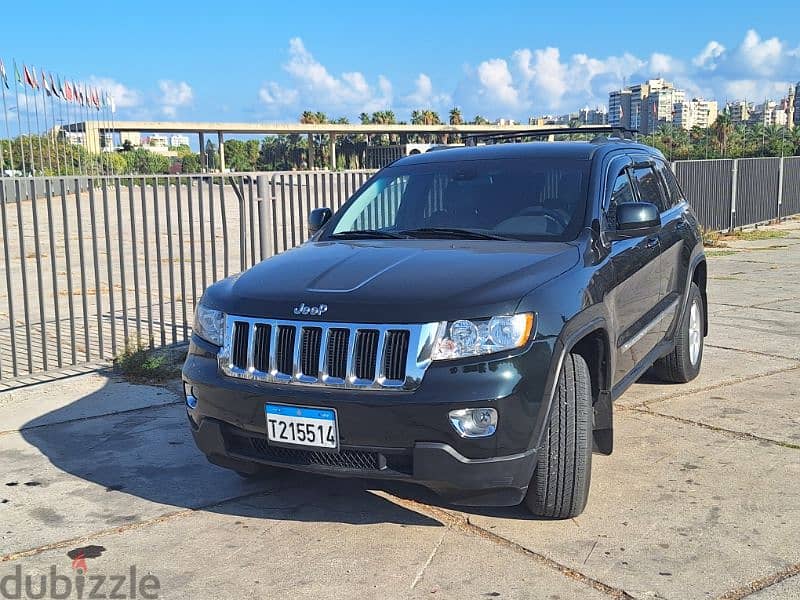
696, 112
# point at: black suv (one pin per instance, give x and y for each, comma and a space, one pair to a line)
465, 321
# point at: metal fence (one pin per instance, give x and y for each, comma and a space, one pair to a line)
125, 261
730, 193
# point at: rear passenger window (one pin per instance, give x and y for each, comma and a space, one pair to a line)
621, 191
674, 193
650, 189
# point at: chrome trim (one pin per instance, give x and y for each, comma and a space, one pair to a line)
646, 329
420, 345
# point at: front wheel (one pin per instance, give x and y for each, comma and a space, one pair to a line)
559, 487
683, 363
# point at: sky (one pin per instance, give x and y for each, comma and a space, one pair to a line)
269, 61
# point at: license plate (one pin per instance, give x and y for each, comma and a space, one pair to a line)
302, 426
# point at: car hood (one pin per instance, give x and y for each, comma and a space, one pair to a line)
394, 281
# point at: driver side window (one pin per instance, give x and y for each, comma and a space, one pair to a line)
621, 191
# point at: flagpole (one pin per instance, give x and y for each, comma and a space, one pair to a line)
36, 114
3, 86
32, 158
49, 138
19, 118
57, 93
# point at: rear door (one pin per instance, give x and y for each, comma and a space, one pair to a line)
651, 188
637, 275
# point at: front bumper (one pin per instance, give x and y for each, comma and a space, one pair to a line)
387, 435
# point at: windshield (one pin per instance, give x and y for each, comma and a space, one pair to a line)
529, 199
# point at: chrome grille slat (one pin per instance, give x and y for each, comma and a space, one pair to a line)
349, 355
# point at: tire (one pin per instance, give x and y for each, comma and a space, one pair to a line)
683, 363
559, 487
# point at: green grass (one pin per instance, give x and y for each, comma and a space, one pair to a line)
150, 365
752, 235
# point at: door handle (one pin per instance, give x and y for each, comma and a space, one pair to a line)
651, 242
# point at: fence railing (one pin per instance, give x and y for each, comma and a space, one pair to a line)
730, 193
126, 260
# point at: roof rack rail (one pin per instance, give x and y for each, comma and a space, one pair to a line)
617, 132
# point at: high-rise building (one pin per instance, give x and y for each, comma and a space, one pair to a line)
739, 111
593, 116
796, 116
695, 113
644, 106
619, 108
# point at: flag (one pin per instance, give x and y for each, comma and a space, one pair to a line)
45, 87
16, 69
53, 87
68, 95
31, 81
3, 74
61, 91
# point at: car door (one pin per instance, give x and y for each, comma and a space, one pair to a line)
636, 292
677, 235
650, 188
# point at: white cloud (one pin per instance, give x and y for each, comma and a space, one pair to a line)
708, 56
174, 95
424, 95
497, 83
534, 81
315, 87
124, 97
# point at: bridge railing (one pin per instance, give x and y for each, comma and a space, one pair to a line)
124, 262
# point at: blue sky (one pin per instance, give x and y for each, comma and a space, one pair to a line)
268, 61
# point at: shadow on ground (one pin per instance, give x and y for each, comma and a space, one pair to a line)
149, 454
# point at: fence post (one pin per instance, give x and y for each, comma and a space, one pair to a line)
734, 182
264, 217
780, 189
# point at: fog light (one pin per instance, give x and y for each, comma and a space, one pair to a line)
474, 422
191, 402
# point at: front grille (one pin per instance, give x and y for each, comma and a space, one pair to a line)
332, 354
337, 352
284, 353
366, 353
309, 352
239, 347
345, 459
399, 462
396, 354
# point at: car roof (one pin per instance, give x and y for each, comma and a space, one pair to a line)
567, 149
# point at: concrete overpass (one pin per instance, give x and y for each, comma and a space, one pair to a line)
94, 129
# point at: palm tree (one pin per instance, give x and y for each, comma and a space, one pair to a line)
722, 130
455, 116
479, 120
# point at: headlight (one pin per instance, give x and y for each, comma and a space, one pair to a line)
458, 339
209, 324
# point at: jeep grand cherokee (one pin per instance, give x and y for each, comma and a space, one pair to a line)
465, 321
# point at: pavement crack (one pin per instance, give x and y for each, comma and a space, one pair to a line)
461, 523
730, 432
708, 388
424, 568
762, 583
92, 417
755, 352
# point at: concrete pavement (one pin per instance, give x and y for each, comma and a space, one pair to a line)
699, 499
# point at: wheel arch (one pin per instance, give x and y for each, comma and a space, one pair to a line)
700, 278
595, 348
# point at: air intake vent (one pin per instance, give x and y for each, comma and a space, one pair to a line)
366, 353
395, 355
241, 330
338, 339
309, 352
261, 342
284, 353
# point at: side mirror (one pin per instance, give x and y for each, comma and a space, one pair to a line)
636, 219
318, 218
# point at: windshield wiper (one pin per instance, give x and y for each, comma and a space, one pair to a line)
367, 233
454, 232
